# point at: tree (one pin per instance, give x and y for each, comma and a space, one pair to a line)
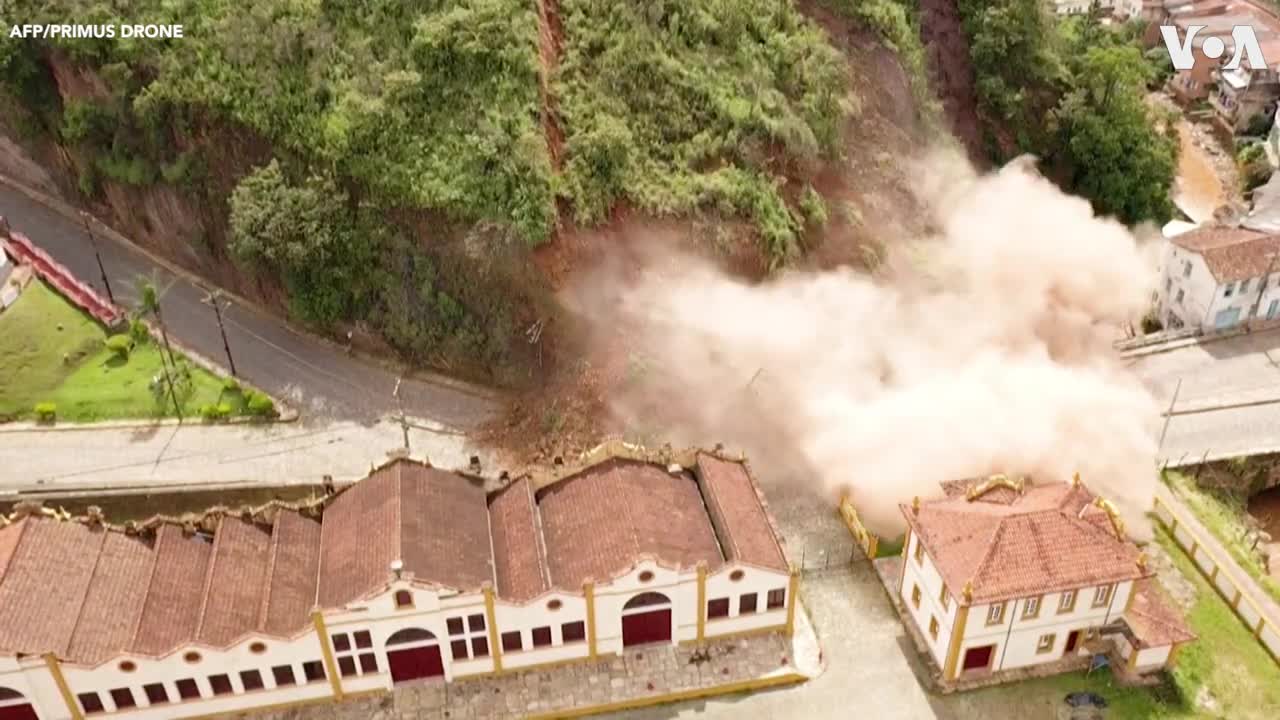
305, 232
1108, 139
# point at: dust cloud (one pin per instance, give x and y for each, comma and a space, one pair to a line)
982, 347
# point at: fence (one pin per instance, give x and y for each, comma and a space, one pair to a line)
861, 535
57, 275
1208, 563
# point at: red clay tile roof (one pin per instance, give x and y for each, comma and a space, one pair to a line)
1153, 618
518, 552
291, 575
236, 582
746, 533
89, 592
1048, 539
598, 522
1232, 253
171, 611
114, 602
45, 583
434, 522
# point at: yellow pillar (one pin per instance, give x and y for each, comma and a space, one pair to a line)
589, 591
793, 589
330, 667
494, 649
702, 601
1236, 603
51, 662
902, 574
1133, 658
1257, 631
957, 639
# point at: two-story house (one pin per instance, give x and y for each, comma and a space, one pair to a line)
1218, 277
1002, 574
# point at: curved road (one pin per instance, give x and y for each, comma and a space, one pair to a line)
314, 376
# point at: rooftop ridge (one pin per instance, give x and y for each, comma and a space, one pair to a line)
264, 607
208, 578
97, 560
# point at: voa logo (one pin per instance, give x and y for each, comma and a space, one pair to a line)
1242, 37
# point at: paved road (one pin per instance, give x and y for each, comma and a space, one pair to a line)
191, 455
314, 376
1243, 368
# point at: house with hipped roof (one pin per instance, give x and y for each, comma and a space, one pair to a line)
412, 573
1218, 277
1003, 575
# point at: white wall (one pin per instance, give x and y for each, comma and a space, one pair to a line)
925, 576
1153, 657
1203, 297
755, 581
380, 616
1016, 638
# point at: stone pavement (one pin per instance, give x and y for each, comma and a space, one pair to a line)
639, 674
195, 454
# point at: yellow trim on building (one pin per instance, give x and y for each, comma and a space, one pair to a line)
793, 589
589, 592
702, 601
495, 649
957, 639
51, 662
902, 574
330, 667
1133, 658
648, 701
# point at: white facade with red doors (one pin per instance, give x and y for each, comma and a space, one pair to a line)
406, 630
1002, 575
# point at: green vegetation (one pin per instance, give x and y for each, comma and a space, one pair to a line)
680, 106
1223, 514
1100, 139
56, 361
1225, 668
890, 548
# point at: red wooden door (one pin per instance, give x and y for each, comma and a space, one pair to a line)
18, 712
647, 627
978, 658
415, 663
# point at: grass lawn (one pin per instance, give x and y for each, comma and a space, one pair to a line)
1226, 667
52, 352
1223, 516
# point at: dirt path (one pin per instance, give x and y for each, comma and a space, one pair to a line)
550, 35
1207, 177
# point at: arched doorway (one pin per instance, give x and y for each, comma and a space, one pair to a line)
13, 706
413, 653
646, 618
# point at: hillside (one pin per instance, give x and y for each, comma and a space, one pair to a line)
394, 167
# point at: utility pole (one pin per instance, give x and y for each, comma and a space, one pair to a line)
93, 242
1168, 416
216, 300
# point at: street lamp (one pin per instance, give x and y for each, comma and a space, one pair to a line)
84, 218
217, 302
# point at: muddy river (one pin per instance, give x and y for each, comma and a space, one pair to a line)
1197, 191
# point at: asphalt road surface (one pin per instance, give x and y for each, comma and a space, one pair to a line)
316, 377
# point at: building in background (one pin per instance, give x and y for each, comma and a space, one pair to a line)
1005, 575
412, 573
1216, 278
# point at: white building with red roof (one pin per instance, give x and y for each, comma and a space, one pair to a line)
1004, 575
1217, 277
413, 572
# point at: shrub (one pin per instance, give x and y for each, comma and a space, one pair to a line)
215, 412
231, 385
46, 411
259, 405
139, 331
813, 207
120, 345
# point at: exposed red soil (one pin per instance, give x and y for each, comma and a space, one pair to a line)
550, 34
951, 71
